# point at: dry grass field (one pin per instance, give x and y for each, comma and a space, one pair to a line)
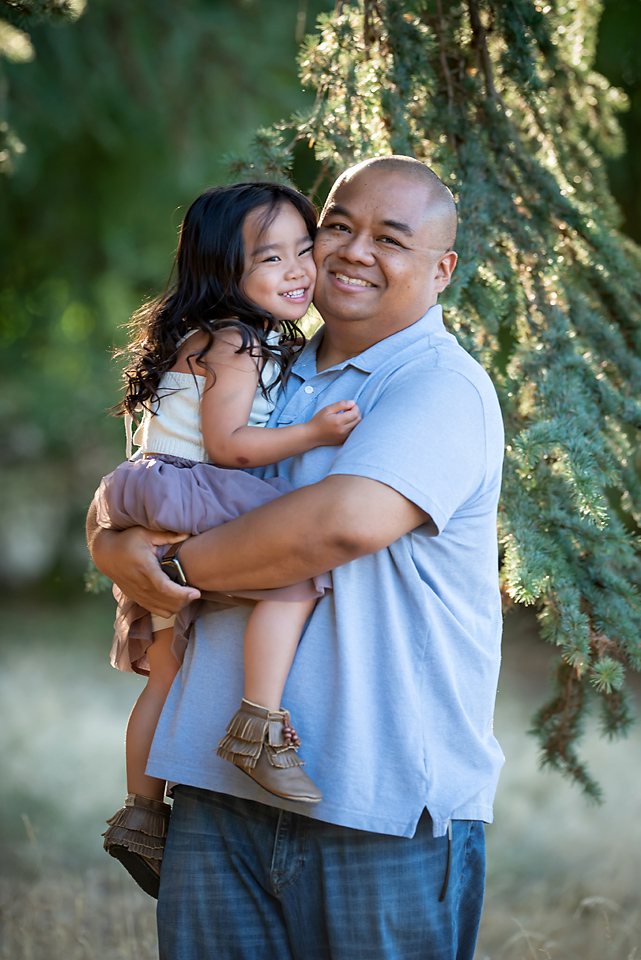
564, 876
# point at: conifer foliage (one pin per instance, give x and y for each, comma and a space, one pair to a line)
16, 47
500, 99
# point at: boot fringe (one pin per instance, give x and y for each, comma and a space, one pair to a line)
242, 726
249, 735
122, 837
246, 755
238, 759
245, 748
140, 819
256, 743
283, 758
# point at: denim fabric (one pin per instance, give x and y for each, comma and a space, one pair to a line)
245, 881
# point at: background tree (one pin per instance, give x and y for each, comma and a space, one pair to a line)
501, 99
16, 47
121, 118
618, 57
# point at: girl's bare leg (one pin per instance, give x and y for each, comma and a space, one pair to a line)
260, 739
146, 713
272, 636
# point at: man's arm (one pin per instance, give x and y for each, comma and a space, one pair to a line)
297, 536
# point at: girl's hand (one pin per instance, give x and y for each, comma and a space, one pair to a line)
332, 425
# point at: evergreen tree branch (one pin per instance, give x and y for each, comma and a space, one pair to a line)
558, 724
24, 13
480, 45
322, 173
501, 101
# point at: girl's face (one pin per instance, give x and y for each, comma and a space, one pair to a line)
279, 272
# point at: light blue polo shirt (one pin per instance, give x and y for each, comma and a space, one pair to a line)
393, 686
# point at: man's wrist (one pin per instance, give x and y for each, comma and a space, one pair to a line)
171, 565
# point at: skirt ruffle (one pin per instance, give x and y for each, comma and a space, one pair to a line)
168, 493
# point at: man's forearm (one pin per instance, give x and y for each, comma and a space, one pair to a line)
304, 533
300, 535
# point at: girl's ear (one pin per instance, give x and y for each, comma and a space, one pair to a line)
444, 270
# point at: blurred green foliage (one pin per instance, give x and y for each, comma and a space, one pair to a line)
618, 57
125, 115
113, 116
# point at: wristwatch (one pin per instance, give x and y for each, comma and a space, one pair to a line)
170, 565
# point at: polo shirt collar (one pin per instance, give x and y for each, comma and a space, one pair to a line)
370, 359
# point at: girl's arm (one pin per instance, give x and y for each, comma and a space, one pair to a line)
232, 381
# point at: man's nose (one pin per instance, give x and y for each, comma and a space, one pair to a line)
357, 248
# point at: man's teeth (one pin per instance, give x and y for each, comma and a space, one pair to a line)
295, 294
353, 281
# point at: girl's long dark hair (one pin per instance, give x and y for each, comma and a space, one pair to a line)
206, 295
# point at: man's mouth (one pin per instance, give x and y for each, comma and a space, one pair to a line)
353, 281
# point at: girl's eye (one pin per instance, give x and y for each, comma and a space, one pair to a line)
272, 259
306, 250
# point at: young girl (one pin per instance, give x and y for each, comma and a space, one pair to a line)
206, 362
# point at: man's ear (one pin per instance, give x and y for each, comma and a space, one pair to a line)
444, 270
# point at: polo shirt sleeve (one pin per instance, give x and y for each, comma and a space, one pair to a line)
425, 437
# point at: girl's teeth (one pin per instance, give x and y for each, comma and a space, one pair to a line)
295, 294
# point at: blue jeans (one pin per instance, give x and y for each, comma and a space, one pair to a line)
244, 881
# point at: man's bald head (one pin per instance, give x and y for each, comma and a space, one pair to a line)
383, 250
440, 208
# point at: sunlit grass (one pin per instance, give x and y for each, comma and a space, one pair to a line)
62, 714
563, 876
83, 915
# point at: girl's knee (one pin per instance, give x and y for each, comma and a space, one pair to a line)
163, 665
163, 675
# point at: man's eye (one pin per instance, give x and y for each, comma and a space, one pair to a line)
335, 226
389, 240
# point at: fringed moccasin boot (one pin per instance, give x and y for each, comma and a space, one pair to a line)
136, 837
263, 744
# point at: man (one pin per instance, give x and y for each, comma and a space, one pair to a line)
394, 681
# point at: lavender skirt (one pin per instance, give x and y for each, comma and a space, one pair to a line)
170, 493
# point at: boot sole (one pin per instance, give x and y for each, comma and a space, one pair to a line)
279, 795
146, 878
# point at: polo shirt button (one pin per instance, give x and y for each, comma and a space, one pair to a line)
309, 389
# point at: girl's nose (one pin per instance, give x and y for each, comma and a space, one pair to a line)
295, 269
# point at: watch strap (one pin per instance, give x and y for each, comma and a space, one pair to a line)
171, 562
172, 551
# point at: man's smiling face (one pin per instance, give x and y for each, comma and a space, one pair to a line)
382, 251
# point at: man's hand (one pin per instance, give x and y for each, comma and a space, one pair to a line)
129, 558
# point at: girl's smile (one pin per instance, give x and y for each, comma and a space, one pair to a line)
279, 272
